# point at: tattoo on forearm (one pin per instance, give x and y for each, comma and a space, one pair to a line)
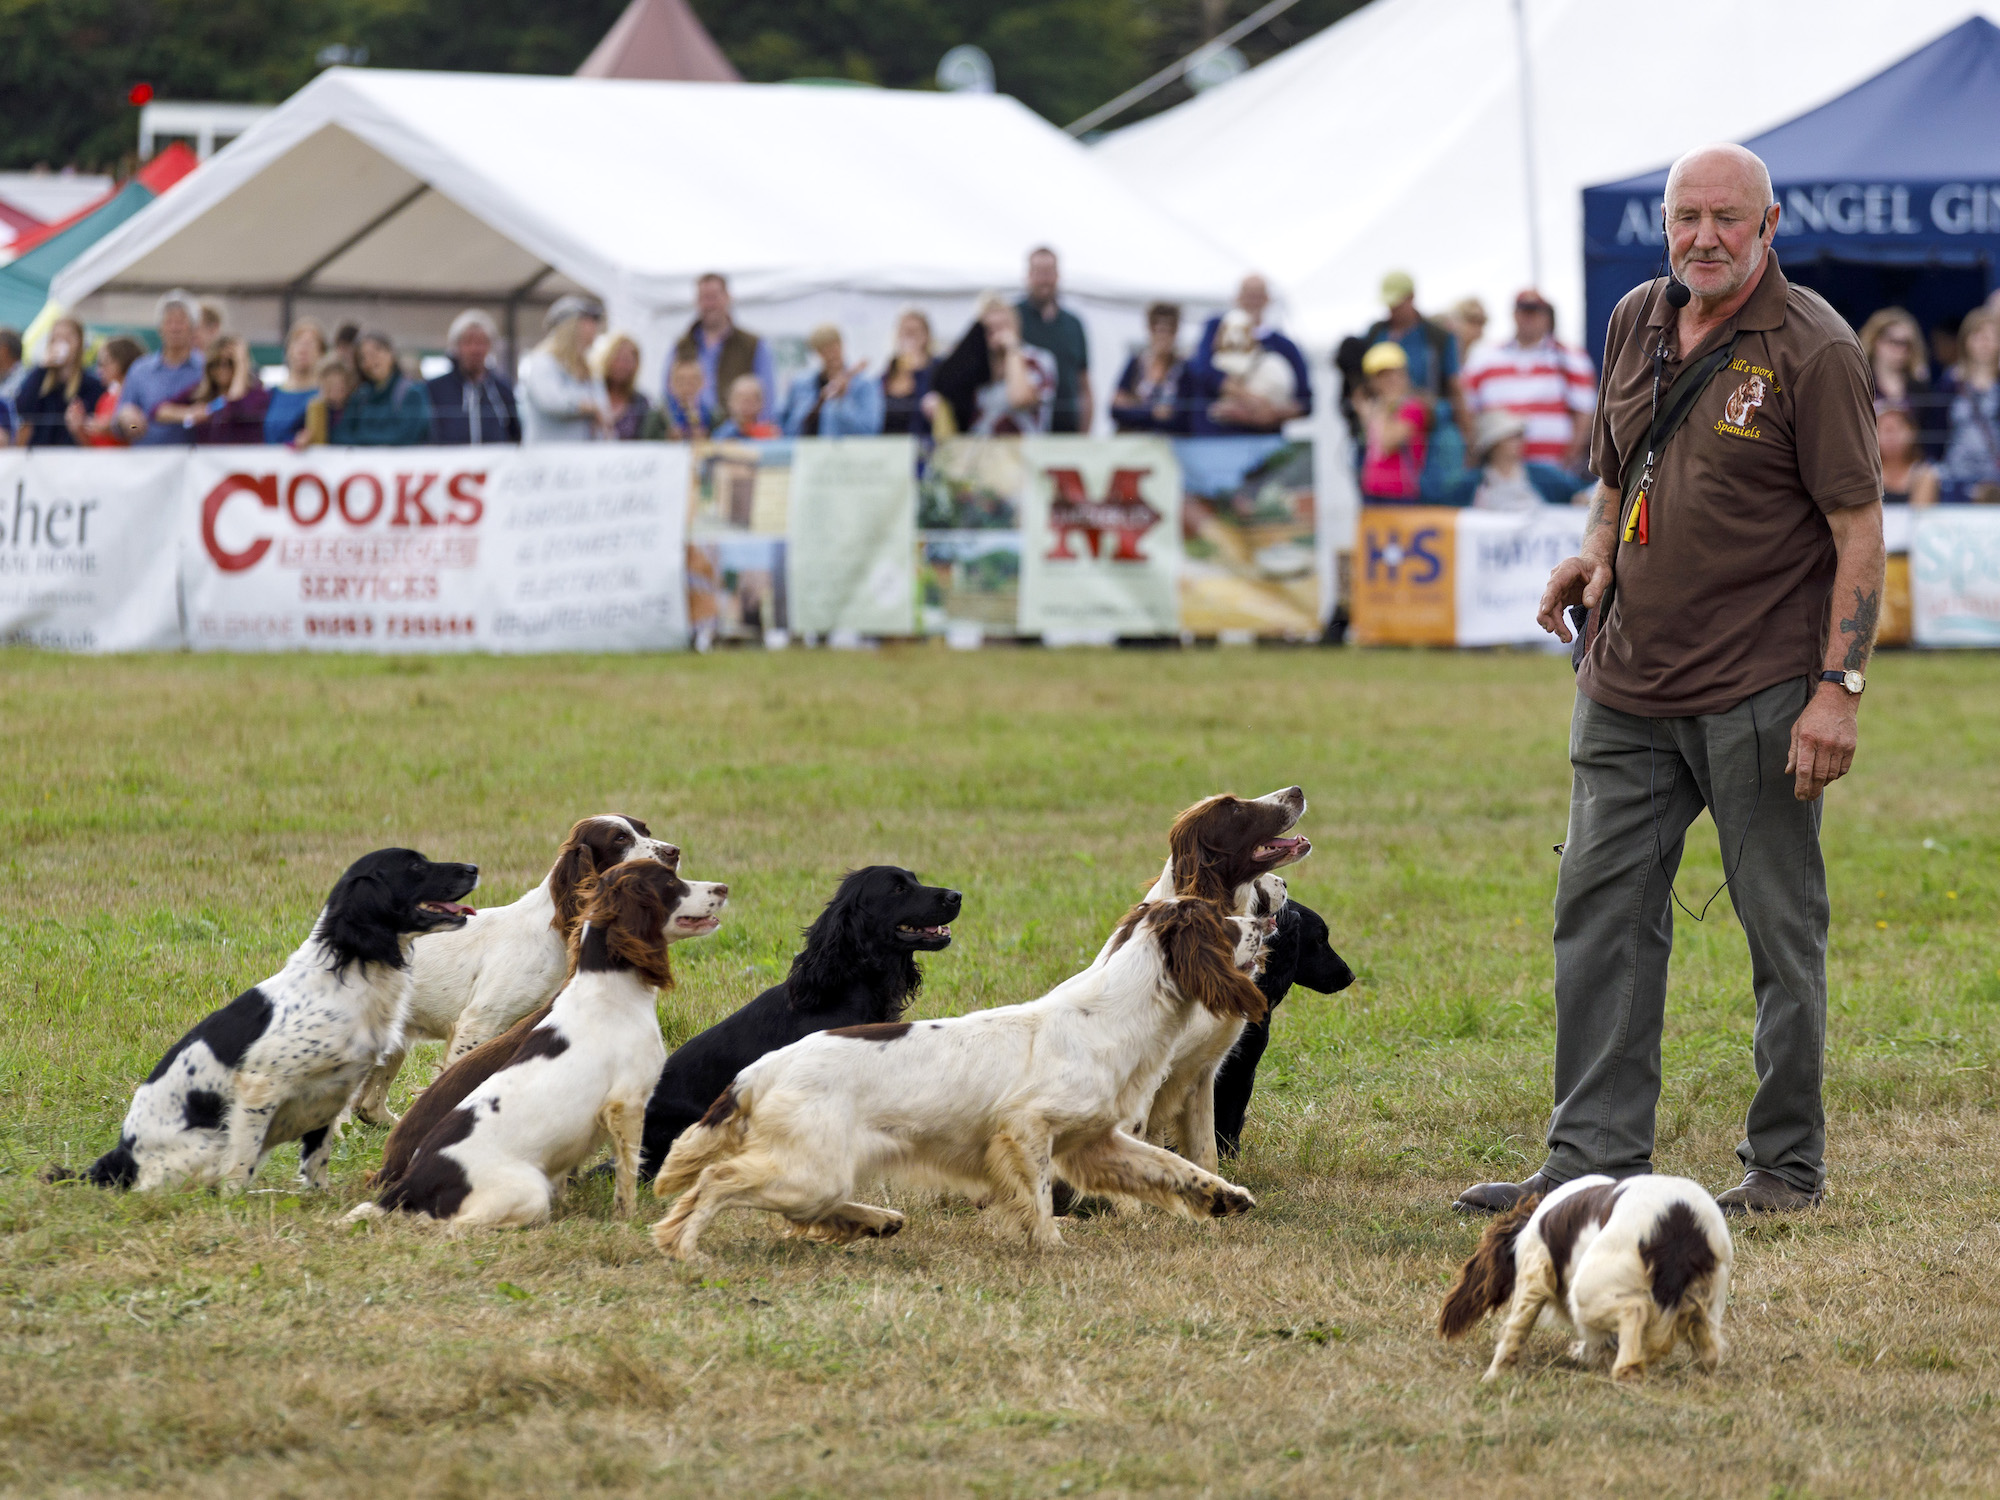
1600, 509
1861, 626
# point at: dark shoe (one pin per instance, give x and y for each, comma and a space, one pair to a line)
1498, 1197
1764, 1192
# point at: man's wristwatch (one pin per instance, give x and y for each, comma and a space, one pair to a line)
1852, 680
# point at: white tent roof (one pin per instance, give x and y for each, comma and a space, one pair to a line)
1393, 140
473, 186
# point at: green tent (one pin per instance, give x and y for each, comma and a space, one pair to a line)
24, 281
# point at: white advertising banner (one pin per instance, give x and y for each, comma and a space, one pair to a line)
851, 536
1504, 561
87, 549
557, 547
1955, 576
1100, 538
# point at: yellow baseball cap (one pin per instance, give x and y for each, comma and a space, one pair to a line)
1396, 286
1384, 356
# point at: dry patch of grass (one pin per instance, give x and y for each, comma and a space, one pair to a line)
170, 825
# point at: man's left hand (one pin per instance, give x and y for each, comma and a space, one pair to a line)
1823, 740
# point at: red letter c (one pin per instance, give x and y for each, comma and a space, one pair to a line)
266, 491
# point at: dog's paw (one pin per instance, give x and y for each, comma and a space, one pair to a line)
1633, 1374
889, 1228
1228, 1200
668, 1239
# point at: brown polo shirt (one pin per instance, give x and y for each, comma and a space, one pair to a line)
1731, 593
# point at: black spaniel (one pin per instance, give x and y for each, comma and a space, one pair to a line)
1299, 953
858, 966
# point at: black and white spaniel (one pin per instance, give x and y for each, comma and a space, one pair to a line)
281, 1061
858, 968
579, 1077
1634, 1266
473, 983
993, 1104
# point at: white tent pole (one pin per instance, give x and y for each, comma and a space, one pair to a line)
1528, 144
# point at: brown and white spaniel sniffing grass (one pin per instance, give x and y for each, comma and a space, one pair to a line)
992, 1104
1635, 1267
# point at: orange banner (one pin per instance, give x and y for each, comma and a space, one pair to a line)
1405, 588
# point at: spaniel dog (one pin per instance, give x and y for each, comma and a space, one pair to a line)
1635, 1266
474, 983
858, 968
1300, 952
451, 1087
578, 1078
281, 1061
1222, 850
992, 1104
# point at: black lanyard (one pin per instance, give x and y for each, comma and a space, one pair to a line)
1681, 397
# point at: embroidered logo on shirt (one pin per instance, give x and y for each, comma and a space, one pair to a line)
1742, 406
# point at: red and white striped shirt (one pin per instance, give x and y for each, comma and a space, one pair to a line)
1545, 386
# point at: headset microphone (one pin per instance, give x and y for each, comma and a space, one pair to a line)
1677, 293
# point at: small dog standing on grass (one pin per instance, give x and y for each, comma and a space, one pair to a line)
1635, 1266
280, 1061
581, 1076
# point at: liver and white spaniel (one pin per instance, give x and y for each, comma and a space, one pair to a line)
1224, 849
281, 1061
580, 1077
1634, 1266
993, 1104
473, 983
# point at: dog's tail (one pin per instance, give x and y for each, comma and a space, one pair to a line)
1486, 1281
716, 1135
116, 1168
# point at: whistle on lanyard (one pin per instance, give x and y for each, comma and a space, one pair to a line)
1637, 521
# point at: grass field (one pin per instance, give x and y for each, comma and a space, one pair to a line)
172, 824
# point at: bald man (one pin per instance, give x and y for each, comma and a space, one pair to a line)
1733, 576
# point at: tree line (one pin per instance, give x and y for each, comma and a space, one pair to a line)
67, 66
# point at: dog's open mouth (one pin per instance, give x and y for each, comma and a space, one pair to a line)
1277, 851
697, 925
938, 934
446, 909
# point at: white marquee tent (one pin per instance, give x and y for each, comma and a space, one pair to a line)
1393, 140
438, 190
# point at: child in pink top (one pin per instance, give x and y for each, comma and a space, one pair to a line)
1397, 427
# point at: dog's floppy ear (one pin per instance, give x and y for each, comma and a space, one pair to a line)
846, 945
1195, 866
365, 913
630, 904
575, 863
1200, 950
1487, 1280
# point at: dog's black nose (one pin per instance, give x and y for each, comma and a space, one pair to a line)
954, 898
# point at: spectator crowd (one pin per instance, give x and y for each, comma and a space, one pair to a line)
1438, 414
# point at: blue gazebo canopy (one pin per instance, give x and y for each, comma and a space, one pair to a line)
1890, 192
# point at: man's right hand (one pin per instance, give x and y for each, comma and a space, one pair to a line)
1584, 578
1576, 580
